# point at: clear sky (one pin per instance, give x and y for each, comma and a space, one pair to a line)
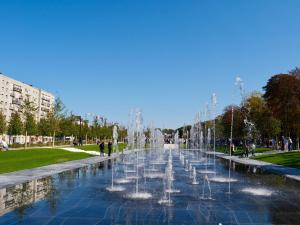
164, 56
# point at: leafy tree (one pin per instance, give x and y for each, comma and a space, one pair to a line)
15, 126
44, 127
2, 123
259, 113
282, 94
54, 118
295, 72
28, 109
238, 122
67, 126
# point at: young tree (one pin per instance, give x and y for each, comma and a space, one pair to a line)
28, 110
2, 123
54, 118
43, 128
15, 126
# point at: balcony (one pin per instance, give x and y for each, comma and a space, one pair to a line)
17, 89
45, 99
16, 102
45, 109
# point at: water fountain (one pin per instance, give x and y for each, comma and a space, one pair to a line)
166, 199
206, 183
115, 140
195, 182
214, 105
113, 187
186, 165
139, 141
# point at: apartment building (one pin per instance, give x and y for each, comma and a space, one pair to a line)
13, 93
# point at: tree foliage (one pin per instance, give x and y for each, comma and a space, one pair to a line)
28, 113
282, 94
238, 122
2, 123
15, 126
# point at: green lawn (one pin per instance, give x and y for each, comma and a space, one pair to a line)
291, 159
96, 147
26, 159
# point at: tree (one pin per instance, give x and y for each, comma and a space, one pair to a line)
282, 94
67, 126
44, 128
28, 109
54, 118
15, 126
2, 123
259, 113
295, 72
238, 122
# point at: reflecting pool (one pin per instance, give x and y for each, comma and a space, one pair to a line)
181, 187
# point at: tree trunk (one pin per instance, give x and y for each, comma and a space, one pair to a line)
86, 140
26, 139
298, 144
53, 140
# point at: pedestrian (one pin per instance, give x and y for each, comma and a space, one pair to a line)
109, 148
80, 141
101, 146
273, 144
253, 147
246, 150
286, 144
290, 144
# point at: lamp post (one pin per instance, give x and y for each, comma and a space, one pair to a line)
80, 129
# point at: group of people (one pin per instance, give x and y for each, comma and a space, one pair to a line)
102, 147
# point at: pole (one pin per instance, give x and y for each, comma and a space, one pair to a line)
231, 137
80, 136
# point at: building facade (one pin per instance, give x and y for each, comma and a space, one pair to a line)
13, 93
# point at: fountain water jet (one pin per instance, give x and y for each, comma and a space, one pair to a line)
195, 182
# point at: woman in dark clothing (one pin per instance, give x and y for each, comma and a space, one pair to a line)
109, 148
101, 146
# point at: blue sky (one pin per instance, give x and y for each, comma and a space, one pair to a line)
166, 57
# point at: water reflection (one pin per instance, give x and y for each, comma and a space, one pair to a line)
80, 195
22, 196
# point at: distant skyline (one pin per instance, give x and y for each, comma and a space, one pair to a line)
165, 57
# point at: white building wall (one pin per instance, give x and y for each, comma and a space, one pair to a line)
13, 93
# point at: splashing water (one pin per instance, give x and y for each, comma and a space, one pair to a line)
258, 191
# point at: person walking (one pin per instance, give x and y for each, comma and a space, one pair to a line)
101, 146
290, 144
109, 148
253, 147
